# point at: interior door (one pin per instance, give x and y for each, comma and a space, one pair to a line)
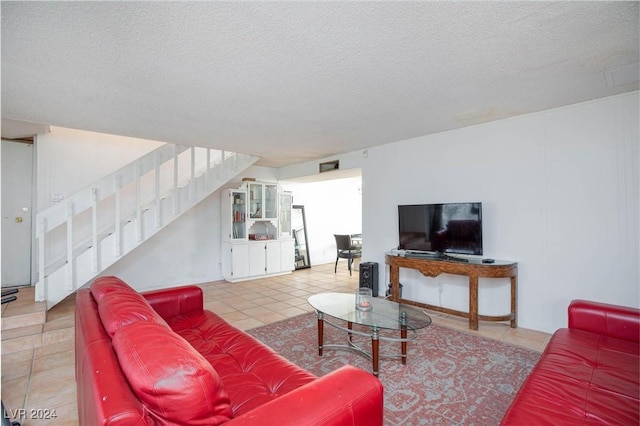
17, 182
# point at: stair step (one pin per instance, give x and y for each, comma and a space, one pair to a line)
26, 325
24, 311
33, 337
21, 338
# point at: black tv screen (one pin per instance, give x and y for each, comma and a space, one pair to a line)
442, 228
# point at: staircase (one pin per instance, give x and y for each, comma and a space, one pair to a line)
92, 229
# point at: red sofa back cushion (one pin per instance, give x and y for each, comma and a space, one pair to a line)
621, 322
120, 305
174, 382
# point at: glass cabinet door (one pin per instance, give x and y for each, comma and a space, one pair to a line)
285, 214
238, 215
255, 201
270, 201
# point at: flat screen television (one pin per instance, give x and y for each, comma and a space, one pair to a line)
441, 228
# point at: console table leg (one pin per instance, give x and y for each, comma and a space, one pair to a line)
375, 348
320, 332
514, 302
394, 276
403, 335
473, 302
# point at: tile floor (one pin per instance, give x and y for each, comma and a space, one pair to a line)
43, 377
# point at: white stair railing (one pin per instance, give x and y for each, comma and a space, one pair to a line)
81, 237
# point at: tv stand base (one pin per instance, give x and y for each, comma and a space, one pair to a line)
472, 269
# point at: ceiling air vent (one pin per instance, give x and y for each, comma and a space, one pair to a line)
329, 166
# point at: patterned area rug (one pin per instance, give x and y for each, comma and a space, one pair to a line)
451, 377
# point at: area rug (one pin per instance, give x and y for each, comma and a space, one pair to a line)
451, 377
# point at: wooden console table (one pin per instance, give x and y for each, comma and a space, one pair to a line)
474, 269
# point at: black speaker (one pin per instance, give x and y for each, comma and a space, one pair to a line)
369, 276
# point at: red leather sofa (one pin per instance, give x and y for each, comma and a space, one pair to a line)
588, 373
159, 358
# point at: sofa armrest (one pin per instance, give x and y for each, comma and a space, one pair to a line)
176, 301
347, 396
608, 320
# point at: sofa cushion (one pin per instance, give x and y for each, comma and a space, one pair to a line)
252, 373
120, 305
174, 382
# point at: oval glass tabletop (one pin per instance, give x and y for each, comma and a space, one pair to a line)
384, 314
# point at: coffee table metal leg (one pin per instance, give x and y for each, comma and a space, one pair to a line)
350, 327
375, 354
403, 335
320, 332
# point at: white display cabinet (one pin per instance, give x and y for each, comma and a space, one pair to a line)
256, 232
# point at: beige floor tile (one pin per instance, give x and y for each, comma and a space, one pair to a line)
53, 348
270, 317
52, 387
63, 415
295, 301
219, 307
16, 368
292, 311
14, 392
61, 311
21, 331
276, 306
57, 336
528, 338
244, 305
22, 320
55, 360
234, 316
258, 310
268, 292
17, 356
60, 322
22, 343
247, 323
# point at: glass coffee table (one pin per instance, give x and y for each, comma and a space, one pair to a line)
384, 315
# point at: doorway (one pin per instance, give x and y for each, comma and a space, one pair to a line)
17, 198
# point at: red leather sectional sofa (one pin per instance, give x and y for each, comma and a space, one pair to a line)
159, 358
588, 374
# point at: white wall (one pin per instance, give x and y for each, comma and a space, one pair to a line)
68, 160
331, 207
560, 194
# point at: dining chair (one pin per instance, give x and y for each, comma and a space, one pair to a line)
346, 250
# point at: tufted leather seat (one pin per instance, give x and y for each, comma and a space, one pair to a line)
252, 373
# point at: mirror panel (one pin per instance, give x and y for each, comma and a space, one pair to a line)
299, 225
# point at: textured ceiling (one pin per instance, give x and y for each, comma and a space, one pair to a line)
297, 81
